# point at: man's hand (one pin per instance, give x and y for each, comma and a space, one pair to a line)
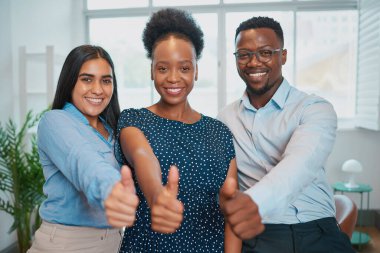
240, 211
122, 202
166, 209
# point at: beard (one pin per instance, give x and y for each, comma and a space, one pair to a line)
260, 91
264, 89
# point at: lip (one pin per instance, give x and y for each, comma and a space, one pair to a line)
173, 90
257, 75
94, 101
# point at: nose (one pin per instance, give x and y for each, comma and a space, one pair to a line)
254, 60
97, 88
173, 76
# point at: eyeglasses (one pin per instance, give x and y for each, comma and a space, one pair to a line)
262, 55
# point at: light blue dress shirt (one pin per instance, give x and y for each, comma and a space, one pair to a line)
281, 150
79, 168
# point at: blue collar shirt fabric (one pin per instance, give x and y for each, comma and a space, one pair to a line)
281, 150
79, 168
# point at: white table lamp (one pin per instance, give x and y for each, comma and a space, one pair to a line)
352, 166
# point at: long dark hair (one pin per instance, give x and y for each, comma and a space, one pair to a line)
69, 76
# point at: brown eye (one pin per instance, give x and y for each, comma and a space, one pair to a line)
265, 53
243, 55
185, 69
86, 79
107, 81
162, 69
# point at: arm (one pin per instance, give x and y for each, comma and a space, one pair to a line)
166, 209
62, 141
302, 160
232, 243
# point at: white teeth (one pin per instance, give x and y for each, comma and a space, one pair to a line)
95, 100
257, 74
174, 90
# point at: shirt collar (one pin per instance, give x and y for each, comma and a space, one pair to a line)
278, 99
69, 107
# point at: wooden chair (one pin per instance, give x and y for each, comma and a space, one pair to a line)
346, 214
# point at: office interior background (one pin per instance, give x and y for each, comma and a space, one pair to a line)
333, 51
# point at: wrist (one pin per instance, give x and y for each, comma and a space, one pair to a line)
152, 197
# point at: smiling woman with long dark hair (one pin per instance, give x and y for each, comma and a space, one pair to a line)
75, 144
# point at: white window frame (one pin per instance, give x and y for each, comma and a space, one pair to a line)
294, 5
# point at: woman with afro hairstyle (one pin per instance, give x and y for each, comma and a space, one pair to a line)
180, 159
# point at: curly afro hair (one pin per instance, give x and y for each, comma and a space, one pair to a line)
166, 22
261, 22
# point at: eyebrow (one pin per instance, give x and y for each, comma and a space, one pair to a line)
91, 75
181, 62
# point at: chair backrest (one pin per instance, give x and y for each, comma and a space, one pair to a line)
346, 213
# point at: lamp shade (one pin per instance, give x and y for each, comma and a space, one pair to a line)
352, 166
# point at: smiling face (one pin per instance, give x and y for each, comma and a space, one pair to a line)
262, 79
174, 69
94, 88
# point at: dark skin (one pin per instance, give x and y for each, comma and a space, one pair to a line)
262, 80
174, 70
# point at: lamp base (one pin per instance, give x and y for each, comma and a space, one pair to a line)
351, 185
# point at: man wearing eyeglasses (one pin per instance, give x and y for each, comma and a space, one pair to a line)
282, 138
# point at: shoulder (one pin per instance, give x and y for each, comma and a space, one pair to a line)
131, 112
216, 125
131, 117
56, 117
229, 111
312, 107
309, 100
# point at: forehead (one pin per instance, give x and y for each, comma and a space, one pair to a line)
174, 47
97, 65
259, 37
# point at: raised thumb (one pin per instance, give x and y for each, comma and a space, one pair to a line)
126, 178
229, 188
173, 180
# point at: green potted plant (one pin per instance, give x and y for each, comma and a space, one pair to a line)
21, 178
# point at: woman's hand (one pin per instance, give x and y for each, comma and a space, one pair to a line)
166, 209
122, 202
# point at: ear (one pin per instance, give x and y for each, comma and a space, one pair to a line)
151, 71
196, 72
284, 55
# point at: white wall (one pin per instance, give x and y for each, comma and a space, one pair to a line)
364, 146
34, 24
38, 23
5, 60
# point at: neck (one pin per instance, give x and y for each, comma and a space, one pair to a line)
259, 100
183, 113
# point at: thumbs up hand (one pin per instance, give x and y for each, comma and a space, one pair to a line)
122, 202
240, 211
166, 209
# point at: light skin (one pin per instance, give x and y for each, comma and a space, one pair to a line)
91, 95
174, 70
93, 91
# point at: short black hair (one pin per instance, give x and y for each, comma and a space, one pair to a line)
170, 21
69, 76
261, 22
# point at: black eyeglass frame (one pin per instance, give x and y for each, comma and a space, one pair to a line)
257, 54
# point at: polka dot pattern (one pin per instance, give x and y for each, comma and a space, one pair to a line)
202, 152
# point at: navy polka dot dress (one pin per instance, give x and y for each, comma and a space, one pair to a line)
202, 152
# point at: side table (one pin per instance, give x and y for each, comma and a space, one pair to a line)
358, 238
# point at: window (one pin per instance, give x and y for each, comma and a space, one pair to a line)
320, 36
